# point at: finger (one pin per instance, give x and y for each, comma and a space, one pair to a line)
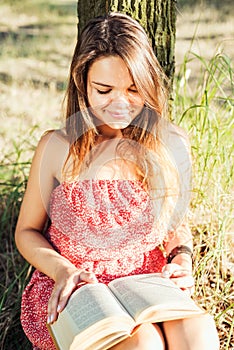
77, 279
67, 290
175, 270
166, 274
88, 277
181, 273
184, 282
64, 297
53, 305
189, 291
167, 270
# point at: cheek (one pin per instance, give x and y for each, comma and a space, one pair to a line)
136, 100
96, 100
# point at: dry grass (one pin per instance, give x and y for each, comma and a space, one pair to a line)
204, 30
37, 39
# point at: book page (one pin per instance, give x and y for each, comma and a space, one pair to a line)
90, 304
150, 291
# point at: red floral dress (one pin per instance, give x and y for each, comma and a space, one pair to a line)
105, 226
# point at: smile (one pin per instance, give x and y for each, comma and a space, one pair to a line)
120, 115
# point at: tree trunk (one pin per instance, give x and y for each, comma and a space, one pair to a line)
157, 17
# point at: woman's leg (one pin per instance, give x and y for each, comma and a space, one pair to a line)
148, 337
191, 334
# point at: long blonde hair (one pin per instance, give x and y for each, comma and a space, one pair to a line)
118, 34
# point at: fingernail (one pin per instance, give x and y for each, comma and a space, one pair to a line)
59, 308
49, 319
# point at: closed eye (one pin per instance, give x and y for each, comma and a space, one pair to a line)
101, 92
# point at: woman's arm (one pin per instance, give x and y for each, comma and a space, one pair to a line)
181, 237
180, 266
34, 211
32, 218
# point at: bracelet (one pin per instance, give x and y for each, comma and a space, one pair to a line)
180, 249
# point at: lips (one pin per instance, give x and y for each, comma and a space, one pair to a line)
120, 114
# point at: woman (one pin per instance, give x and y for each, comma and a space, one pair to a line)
114, 185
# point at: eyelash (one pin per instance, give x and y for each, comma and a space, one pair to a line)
106, 92
103, 92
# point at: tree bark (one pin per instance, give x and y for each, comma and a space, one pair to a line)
157, 17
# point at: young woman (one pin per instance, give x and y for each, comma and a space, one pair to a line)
107, 195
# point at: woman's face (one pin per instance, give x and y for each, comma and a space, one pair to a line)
112, 95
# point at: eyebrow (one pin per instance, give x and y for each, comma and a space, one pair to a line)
106, 85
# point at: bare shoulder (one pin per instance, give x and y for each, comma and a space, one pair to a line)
54, 138
52, 151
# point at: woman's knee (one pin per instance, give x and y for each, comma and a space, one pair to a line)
192, 333
149, 337
208, 333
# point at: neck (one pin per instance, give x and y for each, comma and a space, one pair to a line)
106, 133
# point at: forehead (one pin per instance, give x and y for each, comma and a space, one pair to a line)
111, 70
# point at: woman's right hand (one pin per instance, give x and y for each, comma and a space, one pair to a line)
66, 281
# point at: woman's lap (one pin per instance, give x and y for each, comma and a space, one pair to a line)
187, 334
147, 337
191, 334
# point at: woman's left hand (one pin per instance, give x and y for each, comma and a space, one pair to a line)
181, 276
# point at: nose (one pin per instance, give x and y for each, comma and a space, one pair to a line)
121, 98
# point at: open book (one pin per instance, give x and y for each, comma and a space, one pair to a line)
99, 316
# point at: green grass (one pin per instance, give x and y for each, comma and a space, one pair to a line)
13, 174
205, 109
32, 81
13, 267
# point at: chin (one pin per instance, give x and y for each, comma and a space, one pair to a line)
119, 125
